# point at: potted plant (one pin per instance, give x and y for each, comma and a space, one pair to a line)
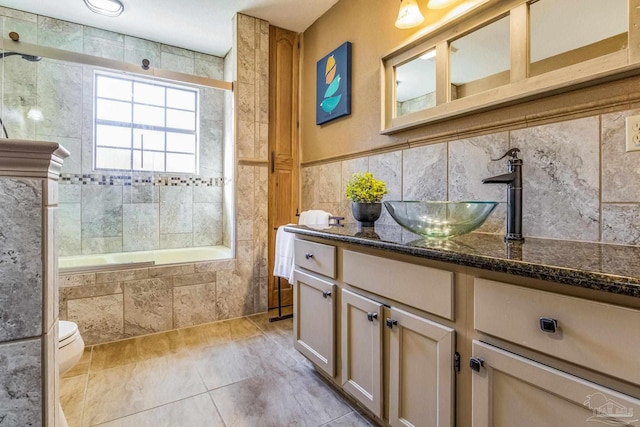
365, 193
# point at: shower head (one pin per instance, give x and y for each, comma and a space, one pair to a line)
30, 58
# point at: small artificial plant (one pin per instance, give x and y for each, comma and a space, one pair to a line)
364, 188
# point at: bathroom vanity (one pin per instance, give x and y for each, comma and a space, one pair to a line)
471, 331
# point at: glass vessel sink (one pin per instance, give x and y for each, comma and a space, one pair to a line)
433, 219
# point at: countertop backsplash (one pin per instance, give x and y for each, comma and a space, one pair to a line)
579, 183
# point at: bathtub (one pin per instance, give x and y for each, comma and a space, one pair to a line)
68, 264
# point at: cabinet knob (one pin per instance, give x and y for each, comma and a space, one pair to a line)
308, 256
391, 322
372, 316
326, 294
548, 324
475, 363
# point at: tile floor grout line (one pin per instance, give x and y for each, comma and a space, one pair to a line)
149, 409
217, 409
84, 399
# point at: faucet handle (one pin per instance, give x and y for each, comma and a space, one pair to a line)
513, 153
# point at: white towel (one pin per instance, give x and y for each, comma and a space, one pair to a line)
283, 266
305, 218
315, 217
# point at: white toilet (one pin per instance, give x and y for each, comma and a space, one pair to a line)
71, 347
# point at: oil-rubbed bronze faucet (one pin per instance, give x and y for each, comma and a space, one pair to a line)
513, 179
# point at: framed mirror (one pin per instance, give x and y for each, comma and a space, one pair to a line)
416, 84
481, 59
566, 32
507, 52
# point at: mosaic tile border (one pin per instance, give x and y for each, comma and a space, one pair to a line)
174, 181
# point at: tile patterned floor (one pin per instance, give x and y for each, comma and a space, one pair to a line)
241, 372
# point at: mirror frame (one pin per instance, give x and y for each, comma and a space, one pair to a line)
521, 88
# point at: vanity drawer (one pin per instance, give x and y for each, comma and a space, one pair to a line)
599, 336
315, 257
425, 288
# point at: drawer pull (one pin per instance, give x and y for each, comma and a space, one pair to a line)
308, 256
391, 322
326, 294
547, 324
475, 363
372, 316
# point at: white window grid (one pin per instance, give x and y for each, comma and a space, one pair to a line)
136, 150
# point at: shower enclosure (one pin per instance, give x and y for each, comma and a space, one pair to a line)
145, 180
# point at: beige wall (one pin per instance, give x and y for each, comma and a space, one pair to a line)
369, 26
579, 182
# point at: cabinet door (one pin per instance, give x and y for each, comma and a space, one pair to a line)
421, 377
510, 390
362, 350
314, 320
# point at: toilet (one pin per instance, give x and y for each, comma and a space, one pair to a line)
71, 347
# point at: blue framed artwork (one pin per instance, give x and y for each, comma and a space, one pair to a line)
333, 85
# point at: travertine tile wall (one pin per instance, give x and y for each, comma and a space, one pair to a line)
112, 218
28, 285
579, 183
21, 289
252, 133
112, 305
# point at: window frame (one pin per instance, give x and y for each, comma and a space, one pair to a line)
133, 126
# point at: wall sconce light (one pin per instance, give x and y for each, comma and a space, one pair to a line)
409, 15
439, 4
111, 8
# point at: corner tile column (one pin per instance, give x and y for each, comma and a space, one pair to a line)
244, 291
29, 172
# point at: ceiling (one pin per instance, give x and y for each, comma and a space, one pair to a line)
199, 25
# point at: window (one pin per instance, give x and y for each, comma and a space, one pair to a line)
145, 125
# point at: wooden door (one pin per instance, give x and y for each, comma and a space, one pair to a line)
421, 371
283, 145
314, 320
510, 390
361, 339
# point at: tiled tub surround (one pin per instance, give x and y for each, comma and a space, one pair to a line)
110, 308
579, 183
112, 305
114, 217
124, 213
28, 281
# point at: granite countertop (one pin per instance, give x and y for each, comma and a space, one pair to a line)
604, 267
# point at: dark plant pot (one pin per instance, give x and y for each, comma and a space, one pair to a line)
366, 213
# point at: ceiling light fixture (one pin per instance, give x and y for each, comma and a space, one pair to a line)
111, 8
439, 4
409, 15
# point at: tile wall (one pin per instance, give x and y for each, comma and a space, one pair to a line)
28, 286
21, 295
112, 305
113, 211
579, 183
